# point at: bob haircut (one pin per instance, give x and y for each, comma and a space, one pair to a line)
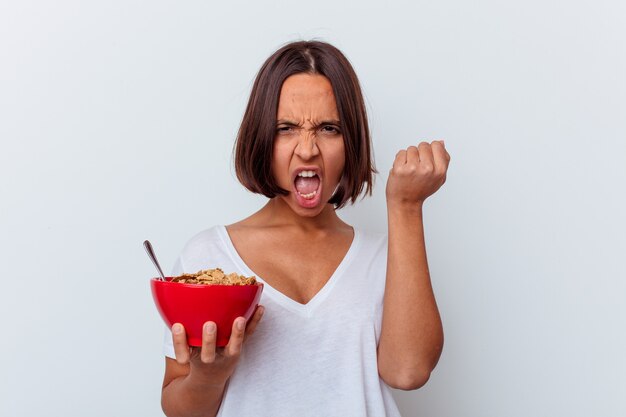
255, 139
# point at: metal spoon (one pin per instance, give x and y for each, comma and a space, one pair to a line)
150, 251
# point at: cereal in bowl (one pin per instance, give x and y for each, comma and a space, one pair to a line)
214, 277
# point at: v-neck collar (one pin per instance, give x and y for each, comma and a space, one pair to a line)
285, 301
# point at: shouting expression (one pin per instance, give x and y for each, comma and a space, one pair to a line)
309, 156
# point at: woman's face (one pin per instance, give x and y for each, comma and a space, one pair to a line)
309, 154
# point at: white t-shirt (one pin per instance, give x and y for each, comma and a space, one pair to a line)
315, 359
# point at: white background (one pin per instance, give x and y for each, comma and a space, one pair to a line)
117, 121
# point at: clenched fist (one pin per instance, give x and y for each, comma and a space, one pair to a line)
417, 173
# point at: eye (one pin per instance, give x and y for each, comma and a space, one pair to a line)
284, 129
329, 129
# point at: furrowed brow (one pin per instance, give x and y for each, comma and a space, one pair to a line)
286, 122
323, 122
330, 122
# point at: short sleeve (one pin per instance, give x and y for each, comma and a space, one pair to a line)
380, 266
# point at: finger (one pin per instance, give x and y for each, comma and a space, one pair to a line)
443, 145
400, 159
251, 326
209, 336
426, 157
440, 157
181, 348
412, 155
233, 348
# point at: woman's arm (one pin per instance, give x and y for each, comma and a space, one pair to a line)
187, 394
412, 335
194, 383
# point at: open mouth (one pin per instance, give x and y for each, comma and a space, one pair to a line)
308, 188
307, 184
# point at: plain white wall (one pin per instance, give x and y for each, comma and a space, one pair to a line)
116, 125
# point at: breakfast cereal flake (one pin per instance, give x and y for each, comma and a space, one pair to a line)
214, 277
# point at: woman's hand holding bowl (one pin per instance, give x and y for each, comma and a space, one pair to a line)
212, 363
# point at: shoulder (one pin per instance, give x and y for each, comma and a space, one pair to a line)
203, 247
370, 246
371, 239
201, 239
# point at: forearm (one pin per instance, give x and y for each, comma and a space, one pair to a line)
188, 396
412, 335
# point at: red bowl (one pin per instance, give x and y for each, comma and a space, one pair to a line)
192, 305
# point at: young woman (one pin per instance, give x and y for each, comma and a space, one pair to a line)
346, 313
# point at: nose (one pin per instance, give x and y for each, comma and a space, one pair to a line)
306, 147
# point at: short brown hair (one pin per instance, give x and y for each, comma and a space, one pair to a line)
255, 139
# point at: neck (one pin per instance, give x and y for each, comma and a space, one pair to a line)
276, 213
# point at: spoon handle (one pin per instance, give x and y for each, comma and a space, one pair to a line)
152, 256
